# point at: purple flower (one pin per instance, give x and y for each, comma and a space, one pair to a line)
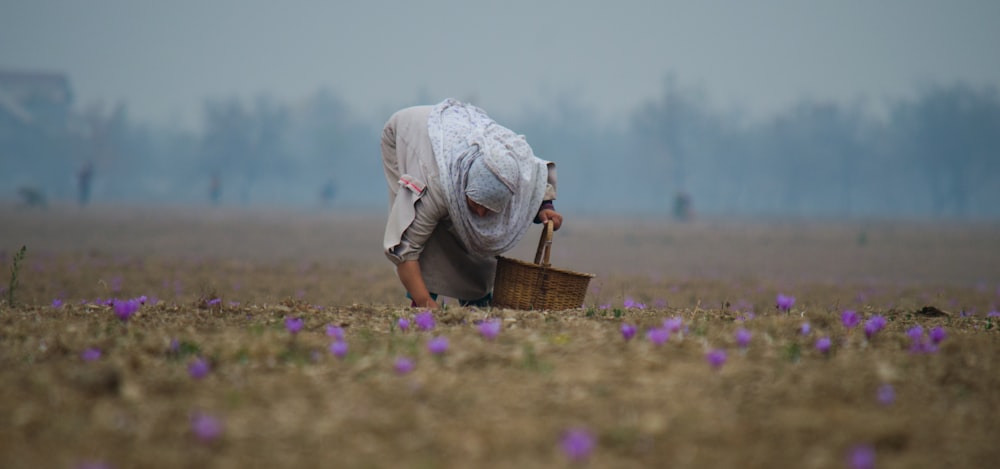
862, 457
915, 333
937, 335
658, 335
206, 427
214, 301
124, 309
335, 332
57, 303
628, 331
294, 325
91, 354
805, 328
338, 348
993, 314
489, 329
424, 321
404, 324
199, 368
743, 337
577, 444
886, 394
673, 325
823, 345
849, 318
403, 365
438, 345
784, 302
716, 358
874, 325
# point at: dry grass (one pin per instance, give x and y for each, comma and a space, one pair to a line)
285, 401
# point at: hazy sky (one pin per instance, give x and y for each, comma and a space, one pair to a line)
162, 58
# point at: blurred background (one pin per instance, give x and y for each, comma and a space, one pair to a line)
848, 110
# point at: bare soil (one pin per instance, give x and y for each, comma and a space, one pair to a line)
220, 285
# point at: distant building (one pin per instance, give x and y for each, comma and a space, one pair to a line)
34, 100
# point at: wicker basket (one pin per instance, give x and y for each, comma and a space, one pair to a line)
521, 285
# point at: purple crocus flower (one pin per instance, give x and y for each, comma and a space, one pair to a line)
993, 314
438, 345
335, 332
805, 328
214, 301
849, 318
937, 335
823, 345
628, 331
658, 335
338, 348
874, 325
489, 329
743, 337
716, 358
403, 365
91, 354
577, 444
785, 302
404, 324
124, 309
57, 303
886, 394
862, 457
294, 325
199, 368
915, 333
673, 325
206, 427
424, 321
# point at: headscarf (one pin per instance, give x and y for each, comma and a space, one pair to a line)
463, 137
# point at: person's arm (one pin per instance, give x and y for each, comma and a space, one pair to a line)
413, 281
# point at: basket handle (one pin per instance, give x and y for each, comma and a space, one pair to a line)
544, 245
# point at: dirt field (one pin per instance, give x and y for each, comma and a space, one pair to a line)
219, 287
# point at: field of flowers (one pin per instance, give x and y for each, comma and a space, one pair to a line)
168, 338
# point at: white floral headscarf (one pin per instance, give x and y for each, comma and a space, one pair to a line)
462, 133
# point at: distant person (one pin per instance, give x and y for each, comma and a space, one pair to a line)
83, 180
215, 188
32, 197
327, 193
462, 190
682, 206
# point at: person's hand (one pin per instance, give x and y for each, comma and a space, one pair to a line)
547, 214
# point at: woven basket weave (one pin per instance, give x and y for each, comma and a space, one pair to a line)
522, 285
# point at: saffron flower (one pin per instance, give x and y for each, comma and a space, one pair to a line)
489, 329
805, 328
294, 325
628, 331
57, 303
823, 345
743, 337
849, 318
577, 444
874, 325
424, 321
993, 314
335, 332
124, 309
658, 335
886, 394
206, 427
338, 348
785, 302
862, 457
403, 365
199, 368
716, 358
214, 301
937, 335
673, 325
915, 333
438, 345
91, 354
404, 324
